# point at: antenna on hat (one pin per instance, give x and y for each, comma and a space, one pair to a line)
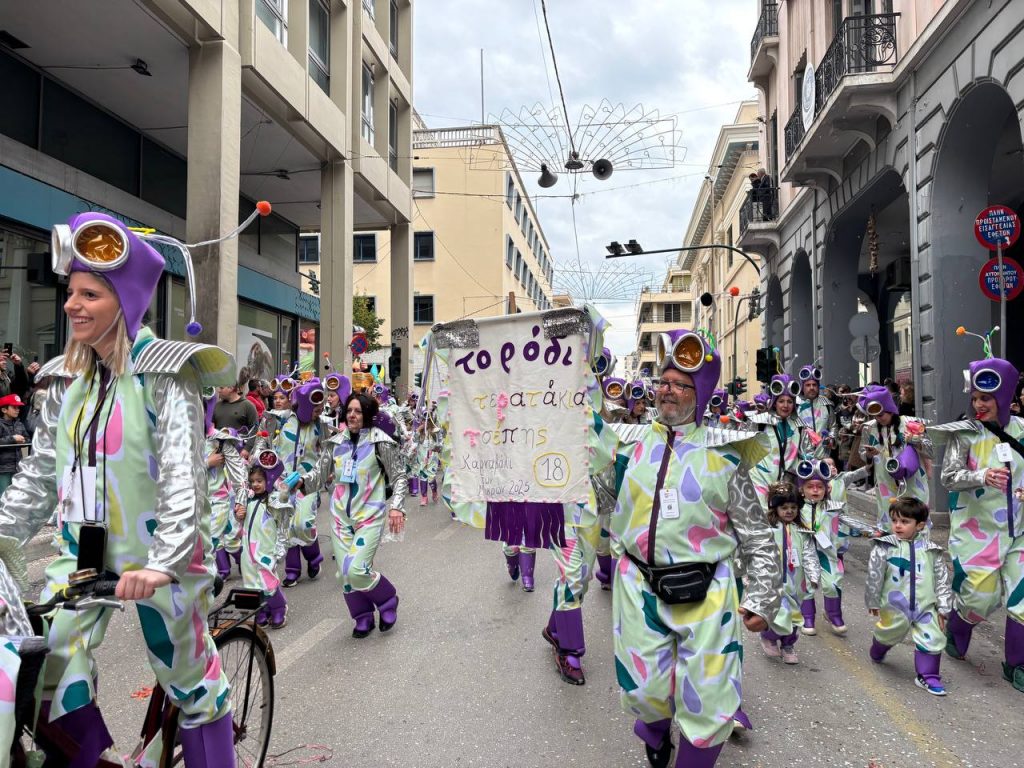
194, 328
986, 340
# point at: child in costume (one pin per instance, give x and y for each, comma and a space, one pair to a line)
800, 573
226, 480
266, 513
908, 590
786, 435
359, 462
984, 472
899, 449
824, 518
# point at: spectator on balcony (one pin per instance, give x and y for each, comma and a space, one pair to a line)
765, 194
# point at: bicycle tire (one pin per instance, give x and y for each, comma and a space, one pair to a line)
233, 647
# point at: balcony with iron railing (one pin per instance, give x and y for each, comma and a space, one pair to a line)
759, 214
853, 85
764, 45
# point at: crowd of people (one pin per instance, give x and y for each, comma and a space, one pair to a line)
706, 517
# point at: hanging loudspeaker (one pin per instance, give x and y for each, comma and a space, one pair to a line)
603, 169
547, 178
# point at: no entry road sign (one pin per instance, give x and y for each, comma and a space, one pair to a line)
988, 278
997, 227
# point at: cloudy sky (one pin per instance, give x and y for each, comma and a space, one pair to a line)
682, 57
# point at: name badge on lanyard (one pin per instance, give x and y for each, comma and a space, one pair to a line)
348, 471
669, 504
78, 495
1004, 452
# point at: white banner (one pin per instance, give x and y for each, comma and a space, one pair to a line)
518, 414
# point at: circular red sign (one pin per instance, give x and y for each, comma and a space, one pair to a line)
988, 278
997, 226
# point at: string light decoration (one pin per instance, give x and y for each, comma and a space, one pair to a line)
607, 137
606, 282
872, 234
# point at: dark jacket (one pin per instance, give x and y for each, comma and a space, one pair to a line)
10, 451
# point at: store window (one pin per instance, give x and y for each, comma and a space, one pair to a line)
30, 298
256, 343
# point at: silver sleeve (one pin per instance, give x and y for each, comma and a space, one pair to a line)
30, 499
851, 522
809, 559
182, 497
875, 578
234, 465
955, 474
319, 477
923, 444
757, 546
394, 465
943, 582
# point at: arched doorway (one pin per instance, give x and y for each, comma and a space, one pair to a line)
980, 162
867, 255
801, 312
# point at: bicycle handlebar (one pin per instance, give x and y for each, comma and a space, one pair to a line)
96, 592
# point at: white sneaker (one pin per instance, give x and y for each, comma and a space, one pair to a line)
809, 631
771, 648
789, 655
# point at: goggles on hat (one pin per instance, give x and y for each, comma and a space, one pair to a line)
986, 380
209, 392
688, 353
779, 388
98, 244
872, 408
637, 390
715, 401
813, 470
807, 374
268, 459
316, 396
613, 389
601, 365
650, 394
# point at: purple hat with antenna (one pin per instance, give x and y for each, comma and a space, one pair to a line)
694, 354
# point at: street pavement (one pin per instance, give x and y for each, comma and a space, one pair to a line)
465, 679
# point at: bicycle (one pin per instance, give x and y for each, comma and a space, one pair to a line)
244, 649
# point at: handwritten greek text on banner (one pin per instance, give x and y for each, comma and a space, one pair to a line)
518, 411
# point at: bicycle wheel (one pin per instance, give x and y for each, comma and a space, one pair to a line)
252, 715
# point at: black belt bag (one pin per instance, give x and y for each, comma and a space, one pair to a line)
679, 583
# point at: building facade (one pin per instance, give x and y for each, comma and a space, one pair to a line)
187, 115
478, 247
658, 311
890, 124
716, 218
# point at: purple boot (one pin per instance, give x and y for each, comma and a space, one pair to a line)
414, 486
526, 563
808, 610
689, 756
958, 636
657, 738
313, 559
928, 678
292, 566
360, 608
1013, 667
211, 745
571, 646
512, 563
277, 606
604, 571
741, 722
86, 727
223, 563
878, 651
834, 612
385, 597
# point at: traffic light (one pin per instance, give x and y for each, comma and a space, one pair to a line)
754, 304
395, 363
418, 379
766, 364
739, 386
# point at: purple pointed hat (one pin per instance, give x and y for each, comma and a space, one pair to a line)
991, 376
382, 393
763, 399
268, 460
875, 399
693, 354
904, 465
385, 424
782, 384
102, 245
723, 401
305, 398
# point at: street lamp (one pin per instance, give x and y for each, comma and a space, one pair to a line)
616, 249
